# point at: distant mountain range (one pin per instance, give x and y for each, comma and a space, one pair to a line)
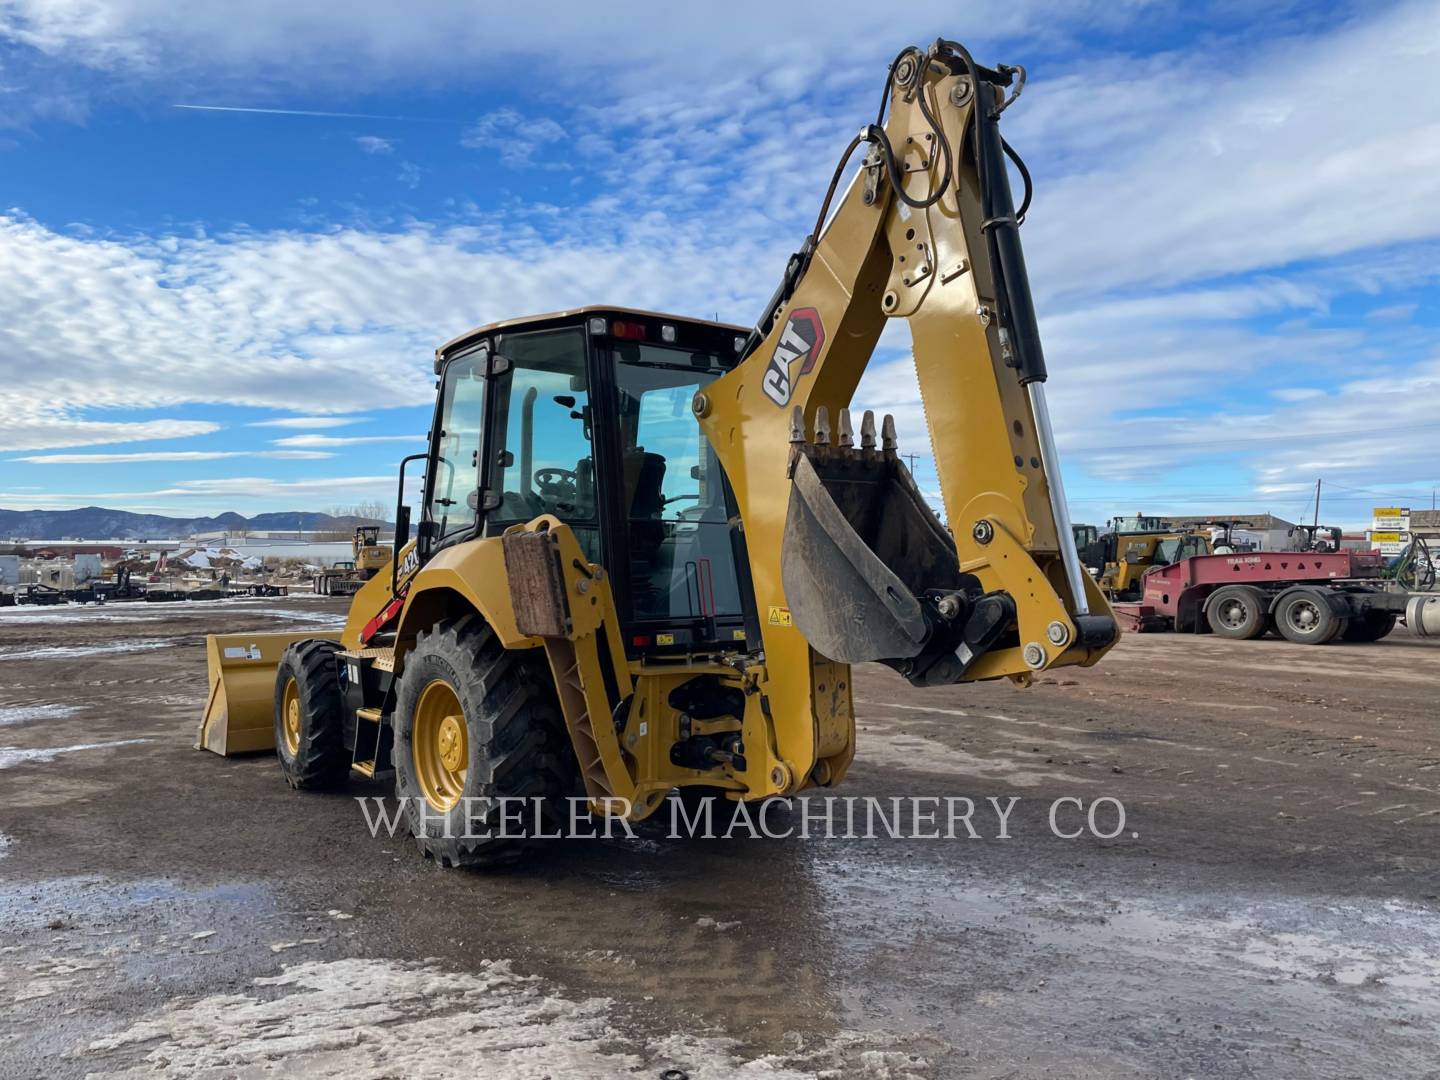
98, 523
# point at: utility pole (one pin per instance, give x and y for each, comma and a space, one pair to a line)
1316, 522
910, 460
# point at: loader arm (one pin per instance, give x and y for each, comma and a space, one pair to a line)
846, 559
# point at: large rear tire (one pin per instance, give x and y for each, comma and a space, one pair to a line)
474, 724
1305, 617
1237, 612
309, 716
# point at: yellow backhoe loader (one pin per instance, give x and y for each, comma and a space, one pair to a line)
649, 547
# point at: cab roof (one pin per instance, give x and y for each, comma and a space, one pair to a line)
569, 313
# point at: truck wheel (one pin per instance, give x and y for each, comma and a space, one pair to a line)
1237, 612
1372, 626
1304, 617
476, 723
309, 725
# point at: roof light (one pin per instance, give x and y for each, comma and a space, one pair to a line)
630, 331
597, 326
667, 334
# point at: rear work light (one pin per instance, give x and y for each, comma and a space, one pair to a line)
630, 331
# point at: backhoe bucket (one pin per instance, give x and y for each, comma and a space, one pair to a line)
860, 545
240, 706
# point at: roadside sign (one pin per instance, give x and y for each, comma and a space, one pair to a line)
1391, 519
1389, 543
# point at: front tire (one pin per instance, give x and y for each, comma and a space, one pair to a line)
474, 724
309, 724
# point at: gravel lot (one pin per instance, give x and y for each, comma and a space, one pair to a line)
1270, 908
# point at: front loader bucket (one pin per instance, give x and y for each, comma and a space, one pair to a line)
240, 706
860, 545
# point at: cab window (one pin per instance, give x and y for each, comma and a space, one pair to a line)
682, 561
547, 463
455, 478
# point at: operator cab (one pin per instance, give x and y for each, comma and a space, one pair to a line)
586, 415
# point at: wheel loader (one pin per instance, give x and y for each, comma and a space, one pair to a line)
1134, 546
649, 548
369, 558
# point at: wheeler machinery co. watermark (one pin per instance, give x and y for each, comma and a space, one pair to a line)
926, 817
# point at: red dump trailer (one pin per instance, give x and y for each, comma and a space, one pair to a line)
1309, 597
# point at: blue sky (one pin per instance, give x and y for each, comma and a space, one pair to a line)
1232, 246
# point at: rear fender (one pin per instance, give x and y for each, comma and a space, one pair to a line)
458, 580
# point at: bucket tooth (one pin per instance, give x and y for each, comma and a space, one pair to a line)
867, 430
797, 426
845, 433
888, 441
822, 426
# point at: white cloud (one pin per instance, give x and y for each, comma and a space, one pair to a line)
1267, 166
374, 144
32, 424
329, 41
309, 421
344, 440
515, 136
169, 455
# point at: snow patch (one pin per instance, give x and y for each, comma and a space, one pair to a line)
23, 714
370, 1017
66, 652
5, 843
10, 756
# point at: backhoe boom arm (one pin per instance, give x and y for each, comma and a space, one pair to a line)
847, 561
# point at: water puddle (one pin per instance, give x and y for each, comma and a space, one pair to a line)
1211, 972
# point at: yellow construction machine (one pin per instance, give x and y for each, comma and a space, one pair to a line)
1133, 546
369, 558
650, 547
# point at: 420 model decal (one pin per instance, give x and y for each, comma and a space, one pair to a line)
800, 343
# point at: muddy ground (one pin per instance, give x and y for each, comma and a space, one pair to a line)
1271, 907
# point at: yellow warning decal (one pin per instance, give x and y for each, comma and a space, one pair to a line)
779, 616
737, 635
664, 639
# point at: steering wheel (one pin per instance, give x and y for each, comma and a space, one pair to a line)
557, 485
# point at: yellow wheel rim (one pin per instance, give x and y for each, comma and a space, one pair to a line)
440, 745
291, 713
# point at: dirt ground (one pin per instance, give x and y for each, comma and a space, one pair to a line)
1271, 907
